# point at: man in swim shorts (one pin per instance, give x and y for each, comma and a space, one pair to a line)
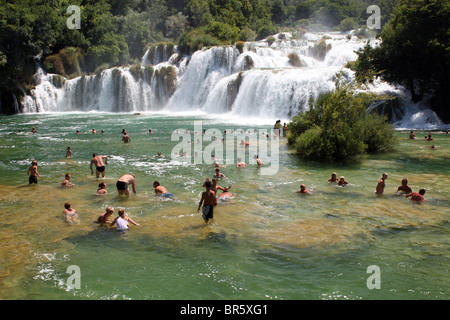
161, 191
124, 181
32, 173
99, 165
209, 201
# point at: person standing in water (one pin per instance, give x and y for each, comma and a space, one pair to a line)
122, 221
381, 184
404, 187
69, 153
99, 165
124, 181
32, 173
126, 138
208, 200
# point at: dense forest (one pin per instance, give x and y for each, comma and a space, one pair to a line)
118, 32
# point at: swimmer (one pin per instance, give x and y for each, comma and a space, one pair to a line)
412, 135
66, 182
417, 196
159, 155
342, 182
122, 221
258, 161
381, 184
70, 213
218, 165
161, 191
101, 189
33, 130
240, 164
124, 181
404, 187
208, 200
94, 131
303, 190
104, 217
225, 195
333, 177
218, 174
69, 153
32, 173
126, 138
99, 165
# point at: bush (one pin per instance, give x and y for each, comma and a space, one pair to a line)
247, 34
194, 40
338, 128
320, 49
295, 61
270, 40
222, 31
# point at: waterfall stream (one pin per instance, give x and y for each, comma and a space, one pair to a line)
260, 82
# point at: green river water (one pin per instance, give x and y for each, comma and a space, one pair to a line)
269, 242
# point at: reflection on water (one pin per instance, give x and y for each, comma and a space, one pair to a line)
267, 243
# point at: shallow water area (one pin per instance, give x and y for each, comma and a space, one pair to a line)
269, 242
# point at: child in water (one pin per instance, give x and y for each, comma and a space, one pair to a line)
101, 189
70, 214
122, 221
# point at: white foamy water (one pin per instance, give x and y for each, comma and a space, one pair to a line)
257, 84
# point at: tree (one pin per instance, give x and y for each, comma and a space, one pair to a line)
414, 52
338, 128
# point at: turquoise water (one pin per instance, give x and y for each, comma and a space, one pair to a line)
267, 243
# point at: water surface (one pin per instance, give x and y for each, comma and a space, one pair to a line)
267, 243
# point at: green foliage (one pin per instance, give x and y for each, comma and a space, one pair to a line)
270, 40
68, 62
414, 52
294, 60
338, 128
196, 40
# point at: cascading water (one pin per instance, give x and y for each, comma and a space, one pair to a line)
260, 81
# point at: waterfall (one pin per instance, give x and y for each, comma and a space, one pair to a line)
259, 81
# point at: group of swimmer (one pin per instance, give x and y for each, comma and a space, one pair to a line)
208, 198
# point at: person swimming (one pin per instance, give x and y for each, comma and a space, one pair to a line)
342, 182
101, 189
417, 196
70, 214
333, 177
161, 191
